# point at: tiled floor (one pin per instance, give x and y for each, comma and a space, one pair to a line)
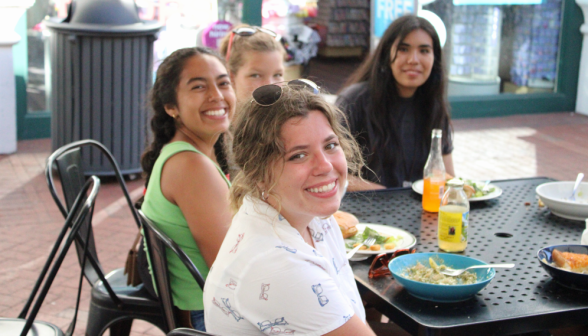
553, 145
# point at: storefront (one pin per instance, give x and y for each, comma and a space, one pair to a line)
503, 57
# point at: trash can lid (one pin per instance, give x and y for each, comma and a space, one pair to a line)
106, 12
104, 17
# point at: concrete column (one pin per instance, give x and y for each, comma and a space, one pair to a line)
10, 13
582, 98
7, 95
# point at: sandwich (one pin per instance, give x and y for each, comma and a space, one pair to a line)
347, 223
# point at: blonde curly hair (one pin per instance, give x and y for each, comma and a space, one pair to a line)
258, 146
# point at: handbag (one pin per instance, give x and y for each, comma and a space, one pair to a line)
131, 265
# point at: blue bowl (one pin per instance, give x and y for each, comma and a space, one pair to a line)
565, 278
440, 293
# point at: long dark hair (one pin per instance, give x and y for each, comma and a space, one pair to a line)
164, 92
429, 98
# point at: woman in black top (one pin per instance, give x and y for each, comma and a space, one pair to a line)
394, 101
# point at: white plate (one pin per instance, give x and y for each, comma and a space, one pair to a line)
407, 240
417, 186
359, 257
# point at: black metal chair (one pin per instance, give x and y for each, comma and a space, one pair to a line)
187, 332
81, 209
114, 305
157, 242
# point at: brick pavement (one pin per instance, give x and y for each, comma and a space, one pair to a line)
552, 145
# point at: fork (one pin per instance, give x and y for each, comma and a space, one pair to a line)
456, 272
486, 186
368, 242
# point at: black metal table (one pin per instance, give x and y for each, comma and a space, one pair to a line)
511, 228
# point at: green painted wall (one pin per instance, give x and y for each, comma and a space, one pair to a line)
252, 12
29, 125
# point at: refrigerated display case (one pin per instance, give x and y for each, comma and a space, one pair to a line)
537, 35
475, 50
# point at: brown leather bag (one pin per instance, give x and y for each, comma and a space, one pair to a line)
131, 266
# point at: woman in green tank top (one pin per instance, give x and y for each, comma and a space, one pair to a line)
187, 193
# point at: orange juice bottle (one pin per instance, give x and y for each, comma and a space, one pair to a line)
434, 175
432, 188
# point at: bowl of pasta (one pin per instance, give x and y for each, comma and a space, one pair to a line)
420, 276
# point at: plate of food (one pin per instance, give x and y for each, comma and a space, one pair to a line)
476, 190
388, 238
566, 264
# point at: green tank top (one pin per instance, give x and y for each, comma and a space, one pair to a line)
168, 217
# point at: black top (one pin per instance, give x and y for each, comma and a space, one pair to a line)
408, 124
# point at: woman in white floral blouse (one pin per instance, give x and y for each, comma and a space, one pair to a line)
282, 268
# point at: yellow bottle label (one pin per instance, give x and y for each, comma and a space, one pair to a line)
450, 226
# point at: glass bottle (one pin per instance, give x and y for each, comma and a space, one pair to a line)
454, 214
434, 175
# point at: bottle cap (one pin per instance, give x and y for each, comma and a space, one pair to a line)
455, 182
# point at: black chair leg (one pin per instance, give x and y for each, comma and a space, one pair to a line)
100, 320
121, 328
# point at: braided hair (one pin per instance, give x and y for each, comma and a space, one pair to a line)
164, 92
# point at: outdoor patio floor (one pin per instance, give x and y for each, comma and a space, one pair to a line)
553, 145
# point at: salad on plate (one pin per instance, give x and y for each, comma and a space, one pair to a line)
383, 242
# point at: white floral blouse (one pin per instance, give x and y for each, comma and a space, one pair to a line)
267, 280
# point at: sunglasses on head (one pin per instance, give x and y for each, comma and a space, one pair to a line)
248, 31
268, 95
379, 267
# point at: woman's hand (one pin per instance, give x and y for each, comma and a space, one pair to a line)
356, 184
448, 163
192, 182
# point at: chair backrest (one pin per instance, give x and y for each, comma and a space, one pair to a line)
81, 209
187, 332
70, 169
72, 178
157, 242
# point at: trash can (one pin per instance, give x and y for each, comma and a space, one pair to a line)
101, 70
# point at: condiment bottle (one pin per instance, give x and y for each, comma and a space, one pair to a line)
434, 175
454, 213
584, 240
